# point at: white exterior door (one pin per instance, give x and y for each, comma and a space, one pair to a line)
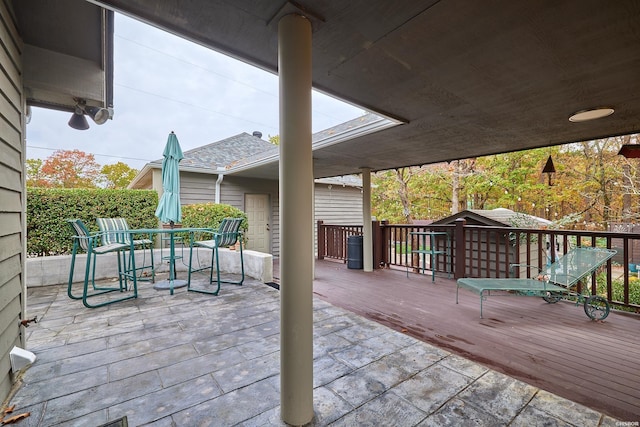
258, 234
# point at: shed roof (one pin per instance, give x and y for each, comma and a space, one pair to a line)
500, 217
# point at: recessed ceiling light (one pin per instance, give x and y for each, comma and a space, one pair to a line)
591, 114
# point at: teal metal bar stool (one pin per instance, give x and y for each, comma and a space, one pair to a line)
115, 230
90, 243
228, 234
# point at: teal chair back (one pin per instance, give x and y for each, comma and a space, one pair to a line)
112, 229
81, 237
228, 232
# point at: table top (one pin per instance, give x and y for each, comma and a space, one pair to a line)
432, 234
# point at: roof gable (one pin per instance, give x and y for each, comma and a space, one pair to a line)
500, 217
226, 152
245, 149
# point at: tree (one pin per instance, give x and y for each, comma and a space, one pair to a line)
71, 169
404, 194
510, 180
35, 177
403, 176
118, 175
601, 175
384, 197
275, 139
461, 169
631, 174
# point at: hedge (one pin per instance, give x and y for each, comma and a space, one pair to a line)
48, 209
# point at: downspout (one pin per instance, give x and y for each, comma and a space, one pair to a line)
218, 185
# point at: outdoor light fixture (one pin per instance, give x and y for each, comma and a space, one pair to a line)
591, 114
78, 120
549, 169
97, 114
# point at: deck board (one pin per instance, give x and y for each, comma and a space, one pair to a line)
552, 346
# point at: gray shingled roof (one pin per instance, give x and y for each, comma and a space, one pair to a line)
507, 216
345, 127
226, 152
244, 148
499, 216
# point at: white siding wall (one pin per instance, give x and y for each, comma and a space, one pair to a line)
197, 188
335, 205
338, 205
12, 196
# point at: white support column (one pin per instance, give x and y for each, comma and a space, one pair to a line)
313, 230
367, 239
296, 219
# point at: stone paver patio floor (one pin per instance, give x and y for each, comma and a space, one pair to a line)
200, 360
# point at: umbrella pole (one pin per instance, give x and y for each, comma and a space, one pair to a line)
171, 283
172, 259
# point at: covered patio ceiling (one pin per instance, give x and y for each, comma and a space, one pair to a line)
464, 78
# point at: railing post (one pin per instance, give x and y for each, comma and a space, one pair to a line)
460, 245
321, 240
386, 241
378, 243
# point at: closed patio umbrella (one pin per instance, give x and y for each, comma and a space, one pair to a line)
169, 210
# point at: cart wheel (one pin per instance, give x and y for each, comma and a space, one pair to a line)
596, 307
552, 297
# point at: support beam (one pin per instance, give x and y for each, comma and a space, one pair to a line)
296, 217
367, 238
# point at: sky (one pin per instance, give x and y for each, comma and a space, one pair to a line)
163, 83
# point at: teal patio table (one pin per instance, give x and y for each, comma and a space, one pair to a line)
171, 283
433, 251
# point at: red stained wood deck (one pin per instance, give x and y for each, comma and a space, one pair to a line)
551, 346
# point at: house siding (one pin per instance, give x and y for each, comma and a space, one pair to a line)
334, 204
197, 188
12, 196
338, 205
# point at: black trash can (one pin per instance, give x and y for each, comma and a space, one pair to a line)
354, 252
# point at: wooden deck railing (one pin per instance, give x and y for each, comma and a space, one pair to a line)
332, 240
481, 251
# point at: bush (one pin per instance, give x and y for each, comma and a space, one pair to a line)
210, 215
48, 208
617, 290
634, 291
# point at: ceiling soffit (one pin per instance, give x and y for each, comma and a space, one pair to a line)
466, 78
